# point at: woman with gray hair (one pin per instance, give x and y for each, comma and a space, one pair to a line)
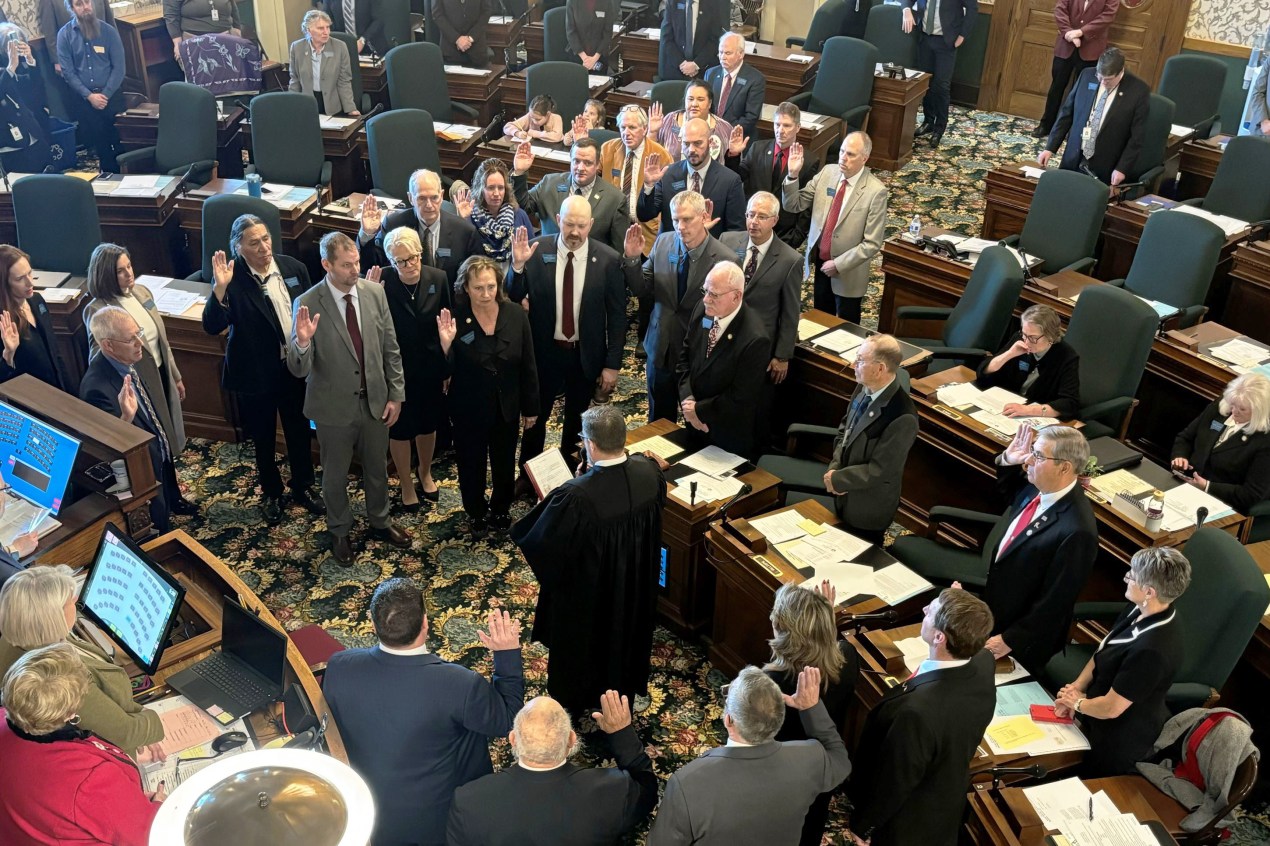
1226, 450
25, 133
321, 67
1119, 695
1038, 364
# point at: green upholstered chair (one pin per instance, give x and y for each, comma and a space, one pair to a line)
1241, 186
360, 97
602, 135
219, 213
1149, 167
1063, 221
944, 564
566, 82
397, 29
1112, 330
286, 140
187, 136
555, 44
391, 161
57, 222
1195, 83
885, 33
827, 22
844, 82
1219, 613
407, 67
1175, 261
975, 327
668, 92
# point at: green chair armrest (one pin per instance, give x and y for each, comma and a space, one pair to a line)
946, 513
921, 313
855, 118
1198, 202
1098, 610
249, 169
795, 41
1011, 240
463, 110
964, 354
796, 429
1081, 265
1260, 509
135, 158
1192, 315
802, 100
326, 173
1204, 128
200, 171
1116, 283
1184, 695
1148, 179
1107, 408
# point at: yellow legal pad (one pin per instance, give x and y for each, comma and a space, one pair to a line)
1014, 732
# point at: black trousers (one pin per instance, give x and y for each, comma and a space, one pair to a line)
260, 413
936, 58
559, 371
96, 128
1063, 72
663, 393
824, 299
475, 443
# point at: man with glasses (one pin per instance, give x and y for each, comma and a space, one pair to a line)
446, 238
609, 217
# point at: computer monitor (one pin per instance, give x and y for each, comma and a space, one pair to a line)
37, 459
131, 597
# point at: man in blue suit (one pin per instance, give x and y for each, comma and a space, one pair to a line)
696, 171
690, 29
945, 25
738, 89
416, 727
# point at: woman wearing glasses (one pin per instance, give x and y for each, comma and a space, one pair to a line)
1038, 364
416, 296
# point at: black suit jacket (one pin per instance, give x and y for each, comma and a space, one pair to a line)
506, 379
602, 315
957, 17
1120, 138
721, 186
774, 290
728, 384
567, 806
590, 32
414, 319
255, 335
913, 762
712, 22
745, 102
1238, 471
868, 462
463, 17
40, 358
459, 239
754, 166
369, 23
100, 388
1057, 382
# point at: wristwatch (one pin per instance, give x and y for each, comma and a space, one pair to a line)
1078, 702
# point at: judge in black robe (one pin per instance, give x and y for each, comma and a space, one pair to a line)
594, 544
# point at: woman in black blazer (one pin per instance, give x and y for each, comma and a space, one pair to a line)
493, 388
1038, 364
1226, 450
30, 343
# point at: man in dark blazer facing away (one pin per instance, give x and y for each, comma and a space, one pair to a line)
414, 726
690, 31
696, 171
738, 88
463, 24
577, 312
543, 800
1103, 121
367, 23
913, 762
755, 789
723, 364
254, 297
609, 218
763, 166
672, 276
944, 26
447, 239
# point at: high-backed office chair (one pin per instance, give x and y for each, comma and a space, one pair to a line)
391, 161
187, 136
286, 140
1112, 330
57, 222
416, 80
884, 31
1063, 221
1218, 613
360, 97
1149, 167
219, 213
397, 29
668, 92
844, 83
602, 135
1241, 186
555, 44
566, 82
1195, 83
1175, 261
976, 326
828, 21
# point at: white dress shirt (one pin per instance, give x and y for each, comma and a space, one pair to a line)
343, 305
316, 60
276, 293
579, 276
636, 182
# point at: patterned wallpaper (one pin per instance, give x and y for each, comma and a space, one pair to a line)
1232, 21
23, 13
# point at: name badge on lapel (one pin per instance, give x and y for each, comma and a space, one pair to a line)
562, 188
443, 252
97, 48
469, 337
599, 14
1025, 366
740, 255
742, 81
548, 258
707, 322
616, 172
1093, 86
679, 184
829, 192
291, 281
432, 289
1217, 425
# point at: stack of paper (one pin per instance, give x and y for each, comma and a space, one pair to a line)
996, 399
713, 461
1228, 225
801, 58
651, 32
808, 329
1032, 172
657, 445
1241, 352
595, 80
58, 295
329, 122
709, 489
1182, 504
1119, 481
974, 245
839, 341
500, 19
896, 583
824, 545
174, 301
915, 651
780, 527
155, 284
848, 580
1023, 735
1181, 131
462, 70
1120, 830
1069, 800
1164, 310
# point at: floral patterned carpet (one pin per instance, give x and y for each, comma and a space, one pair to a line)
289, 567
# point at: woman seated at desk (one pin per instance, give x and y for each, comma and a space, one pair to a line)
1119, 695
1038, 364
1226, 450
37, 608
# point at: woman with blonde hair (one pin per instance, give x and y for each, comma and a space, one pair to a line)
1226, 450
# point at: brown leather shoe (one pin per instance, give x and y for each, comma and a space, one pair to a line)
342, 552
393, 534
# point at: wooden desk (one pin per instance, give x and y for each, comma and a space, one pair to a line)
294, 220
686, 596
512, 92
72, 334
147, 52
374, 81
504, 34
639, 56
1007, 196
139, 127
893, 119
483, 92
1198, 166
458, 158
339, 146
503, 148
1248, 304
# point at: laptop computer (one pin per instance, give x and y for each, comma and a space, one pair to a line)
244, 676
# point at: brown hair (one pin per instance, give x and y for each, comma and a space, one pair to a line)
487, 167
103, 272
468, 270
805, 635
965, 620
9, 256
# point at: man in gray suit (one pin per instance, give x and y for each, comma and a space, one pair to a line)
1259, 105
672, 275
322, 67
848, 224
755, 789
355, 387
608, 206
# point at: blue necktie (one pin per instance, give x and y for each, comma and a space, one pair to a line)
682, 270
858, 405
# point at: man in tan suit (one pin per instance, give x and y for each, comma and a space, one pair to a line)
848, 222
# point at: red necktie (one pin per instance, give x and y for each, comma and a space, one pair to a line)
831, 221
1029, 511
778, 164
566, 314
696, 181
723, 96
355, 333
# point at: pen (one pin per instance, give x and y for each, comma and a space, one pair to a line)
1091, 809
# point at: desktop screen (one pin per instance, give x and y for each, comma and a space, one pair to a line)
37, 459
129, 595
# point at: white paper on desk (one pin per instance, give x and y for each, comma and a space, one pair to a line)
1119, 481
154, 283
144, 182
1061, 802
1032, 261
500, 19
808, 329
998, 422
466, 71
914, 650
1240, 351
168, 773
332, 122
1017, 674
1118, 830
185, 725
713, 461
597, 80
973, 245
801, 58
58, 295
959, 395
843, 546
1228, 225
1032, 172
557, 155
839, 341
1181, 131
897, 583
649, 32
709, 489
658, 446
995, 399
780, 527
848, 580
1186, 500
462, 129
548, 471
170, 301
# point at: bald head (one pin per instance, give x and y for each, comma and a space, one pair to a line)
694, 136
542, 735
574, 220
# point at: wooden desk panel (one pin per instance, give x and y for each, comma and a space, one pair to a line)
1248, 305
1198, 166
147, 51
501, 148
209, 410
349, 172
375, 81
893, 119
483, 93
1007, 196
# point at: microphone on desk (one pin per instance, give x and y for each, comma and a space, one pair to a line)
1201, 514
1257, 231
1028, 275
183, 181
1085, 169
1035, 771
888, 616
745, 489
692, 494
1122, 190
379, 107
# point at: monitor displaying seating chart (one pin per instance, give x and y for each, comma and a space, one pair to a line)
37, 459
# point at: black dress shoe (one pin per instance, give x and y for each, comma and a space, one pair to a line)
342, 552
184, 507
924, 129
302, 498
523, 488
411, 507
500, 522
271, 510
391, 534
936, 137
479, 527
1040, 132
431, 496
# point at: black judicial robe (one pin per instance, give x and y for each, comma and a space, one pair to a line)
594, 544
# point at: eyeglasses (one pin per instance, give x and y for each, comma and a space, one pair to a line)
752, 215
136, 338
1129, 578
714, 295
1039, 457
405, 261
1033, 339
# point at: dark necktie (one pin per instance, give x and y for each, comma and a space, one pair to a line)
566, 307
628, 174
751, 265
687, 26
355, 333
778, 165
858, 405
429, 257
696, 181
143, 396
831, 221
683, 274
723, 97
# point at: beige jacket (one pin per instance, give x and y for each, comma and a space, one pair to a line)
860, 230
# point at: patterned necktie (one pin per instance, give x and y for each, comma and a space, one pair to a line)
628, 173
723, 97
713, 338
165, 449
696, 181
1095, 123
825, 246
355, 333
429, 257
350, 17
751, 265
1029, 511
566, 307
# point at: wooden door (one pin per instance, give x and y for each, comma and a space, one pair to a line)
1016, 72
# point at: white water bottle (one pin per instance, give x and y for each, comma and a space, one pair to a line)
915, 228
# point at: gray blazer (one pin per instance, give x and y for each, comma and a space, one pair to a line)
868, 466
773, 293
752, 794
861, 224
146, 299
608, 206
329, 365
1259, 106
336, 76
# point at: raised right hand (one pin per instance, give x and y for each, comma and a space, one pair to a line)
580, 127
523, 159
1021, 446
614, 714
504, 632
737, 141
447, 329
463, 202
522, 248
127, 401
371, 215
807, 693
654, 169
376, 275
305, 326
796, 157
655, 113
222, 270
633, 243
9, 334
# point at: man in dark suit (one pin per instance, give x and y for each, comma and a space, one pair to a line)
1103, 121
447, 239
608, 206
253, 297
913, 763
755, 789
694, 172
690, 31
763, 166
577, 310
723, 364
546, 801
945, 25
462, 24
367, 23
738, 88
414, 726
672, 276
